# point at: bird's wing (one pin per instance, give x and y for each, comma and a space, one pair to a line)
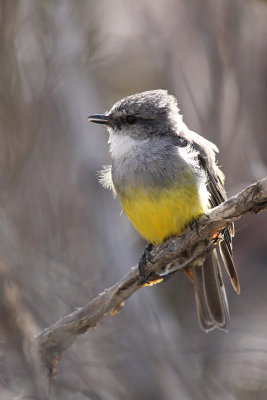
210, 294
215, 185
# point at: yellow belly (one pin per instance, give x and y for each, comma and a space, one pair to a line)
159, 214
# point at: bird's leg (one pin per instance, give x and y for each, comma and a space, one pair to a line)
195, 224
146, 256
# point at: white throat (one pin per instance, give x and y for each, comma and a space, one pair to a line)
121, 144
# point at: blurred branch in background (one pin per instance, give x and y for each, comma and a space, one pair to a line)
21, 352
60, 232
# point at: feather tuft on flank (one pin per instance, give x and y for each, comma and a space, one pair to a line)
105, 178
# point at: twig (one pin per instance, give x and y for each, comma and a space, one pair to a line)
173, 255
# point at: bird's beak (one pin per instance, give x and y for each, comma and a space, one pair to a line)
99, 119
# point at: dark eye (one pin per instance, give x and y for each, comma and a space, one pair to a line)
131, 119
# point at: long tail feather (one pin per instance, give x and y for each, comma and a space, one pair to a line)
210, 295
204, 317
230, 266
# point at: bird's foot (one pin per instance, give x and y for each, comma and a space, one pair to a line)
146, 256
195, 225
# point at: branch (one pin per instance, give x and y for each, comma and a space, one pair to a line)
166, 259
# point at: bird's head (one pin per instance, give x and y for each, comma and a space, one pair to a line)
142, 115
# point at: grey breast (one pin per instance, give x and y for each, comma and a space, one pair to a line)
157, 162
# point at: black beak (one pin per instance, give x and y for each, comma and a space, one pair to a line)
99, 119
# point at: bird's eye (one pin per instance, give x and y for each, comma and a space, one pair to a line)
131, 119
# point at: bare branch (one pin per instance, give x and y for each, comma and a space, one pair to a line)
173, 255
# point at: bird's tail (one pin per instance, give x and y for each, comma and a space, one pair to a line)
212, 305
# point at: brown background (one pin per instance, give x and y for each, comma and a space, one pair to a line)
61, 233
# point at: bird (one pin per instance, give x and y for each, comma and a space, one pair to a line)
166, 176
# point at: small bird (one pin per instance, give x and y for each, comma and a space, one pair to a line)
166, 177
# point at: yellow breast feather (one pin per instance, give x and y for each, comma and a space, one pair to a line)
159, 214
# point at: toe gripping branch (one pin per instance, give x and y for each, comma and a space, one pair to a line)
146, 256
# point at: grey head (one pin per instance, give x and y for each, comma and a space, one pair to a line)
142, 115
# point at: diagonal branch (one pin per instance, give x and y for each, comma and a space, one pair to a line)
167, 258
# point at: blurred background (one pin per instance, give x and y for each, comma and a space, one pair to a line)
62, 235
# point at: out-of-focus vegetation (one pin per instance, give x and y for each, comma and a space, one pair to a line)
61, 233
